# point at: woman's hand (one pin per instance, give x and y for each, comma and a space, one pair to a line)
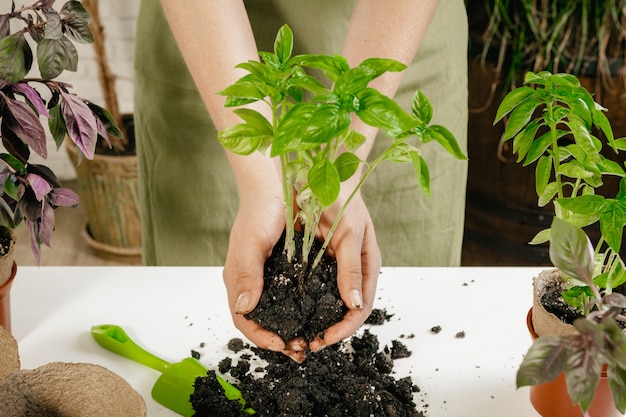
258, 225
358, 265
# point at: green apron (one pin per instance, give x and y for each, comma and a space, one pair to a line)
188, 192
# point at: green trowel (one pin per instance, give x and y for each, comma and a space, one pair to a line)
176, 382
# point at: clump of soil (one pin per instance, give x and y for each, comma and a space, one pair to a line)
295, 301
348, 379
378, 317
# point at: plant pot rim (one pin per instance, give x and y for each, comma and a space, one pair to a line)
109, 250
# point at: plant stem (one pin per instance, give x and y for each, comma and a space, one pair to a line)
332, 229
289, 220
555, 151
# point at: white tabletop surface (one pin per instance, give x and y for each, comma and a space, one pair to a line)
171, 311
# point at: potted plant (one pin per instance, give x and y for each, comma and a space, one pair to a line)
551, 122
108, 184
31, 191
508, 38
309, 133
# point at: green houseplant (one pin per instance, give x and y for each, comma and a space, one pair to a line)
310, 135
553, 122
509, 38
30, 191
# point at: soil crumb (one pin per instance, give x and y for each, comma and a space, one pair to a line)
460, 335
378, 317
435, 329
352, 378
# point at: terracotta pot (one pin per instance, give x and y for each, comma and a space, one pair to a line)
5, 300
552, 400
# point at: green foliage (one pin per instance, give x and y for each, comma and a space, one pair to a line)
310, 133
552, 122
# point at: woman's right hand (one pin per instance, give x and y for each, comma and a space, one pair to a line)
258, 226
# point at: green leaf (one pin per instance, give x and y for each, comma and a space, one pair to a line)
56, 124
548, 194
542, 237
333, 66
244, 91
380, 111
353, 140
620, 144
259, 70
283, 45
379, 66
616, 276
582, 135
612, 221
241, 139
421, 107
309, 125
571, 251
524, 140
617, 383
446, 139
110, 125
55, 56
53, 28
421, 171
352, 82
543, 362
574, 169
16, 58
578, 296
324, 182
603, 123
543, 171
347, 164
512, 100
538, 148
256, 120
77, 29
75, 8
583, 204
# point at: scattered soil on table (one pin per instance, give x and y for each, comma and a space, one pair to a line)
295, 301
353, 378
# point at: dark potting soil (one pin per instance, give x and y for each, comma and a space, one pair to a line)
349, 379
554, 303
295, 301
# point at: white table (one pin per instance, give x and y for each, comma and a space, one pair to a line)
170, 311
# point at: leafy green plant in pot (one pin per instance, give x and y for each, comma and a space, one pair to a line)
310, 135
31, 191
552, 120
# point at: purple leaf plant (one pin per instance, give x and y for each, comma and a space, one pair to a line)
29, 192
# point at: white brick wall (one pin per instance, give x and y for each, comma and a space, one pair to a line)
118, 18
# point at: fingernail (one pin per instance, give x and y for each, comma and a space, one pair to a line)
242, 303
356, 299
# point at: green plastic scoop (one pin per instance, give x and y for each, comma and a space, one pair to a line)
176, 382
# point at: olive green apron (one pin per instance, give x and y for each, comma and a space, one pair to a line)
188, 192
